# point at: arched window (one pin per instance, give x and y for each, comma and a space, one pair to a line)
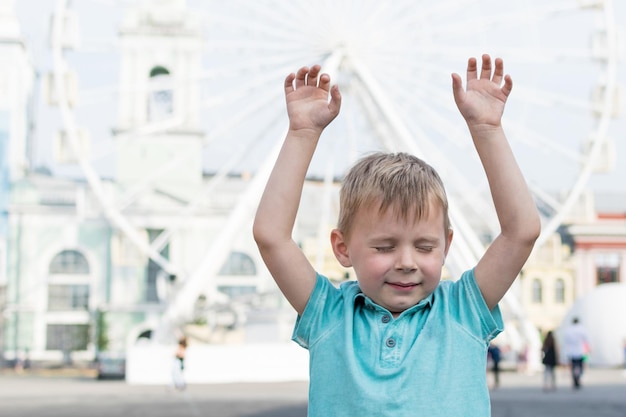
238, 263
559, 291
160, 95
158, 70
537, 295
69, 262
68, 297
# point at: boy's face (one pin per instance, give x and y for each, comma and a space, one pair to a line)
397, 261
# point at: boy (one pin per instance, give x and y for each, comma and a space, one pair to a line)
397, 342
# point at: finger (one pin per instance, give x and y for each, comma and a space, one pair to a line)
485, 71
311, 78
301, 77
472, 71
457, 88
289, 83
335, 100
498, 72
508, 85
324, 82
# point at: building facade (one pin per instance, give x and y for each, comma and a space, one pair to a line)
17, 77
588, 251
87, 268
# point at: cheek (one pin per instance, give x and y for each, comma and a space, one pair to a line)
372, 265
432, 264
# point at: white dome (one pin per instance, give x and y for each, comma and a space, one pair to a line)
603, 313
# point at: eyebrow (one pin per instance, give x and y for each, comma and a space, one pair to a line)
432, 240
390, 239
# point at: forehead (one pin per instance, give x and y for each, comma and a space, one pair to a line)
376, 215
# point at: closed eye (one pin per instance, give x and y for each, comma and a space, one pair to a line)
425, 248
383, 249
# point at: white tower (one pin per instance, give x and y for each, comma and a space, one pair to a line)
16, 87
158, 132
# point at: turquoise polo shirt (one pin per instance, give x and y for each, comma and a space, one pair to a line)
429, 361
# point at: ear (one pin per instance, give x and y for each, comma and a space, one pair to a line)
340, 248
448, 241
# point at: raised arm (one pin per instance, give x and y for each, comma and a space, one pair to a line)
482, 104
309, 111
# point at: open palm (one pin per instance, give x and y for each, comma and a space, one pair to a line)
307, 99
482, 103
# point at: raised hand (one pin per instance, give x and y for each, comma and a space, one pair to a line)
306, 93
482, 102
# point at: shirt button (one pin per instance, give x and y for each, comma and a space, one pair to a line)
390, 342
385, 319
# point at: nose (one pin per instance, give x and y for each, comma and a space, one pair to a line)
406, 260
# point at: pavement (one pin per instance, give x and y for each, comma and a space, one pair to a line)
72, 394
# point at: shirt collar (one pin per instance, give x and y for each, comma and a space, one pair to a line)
371, 305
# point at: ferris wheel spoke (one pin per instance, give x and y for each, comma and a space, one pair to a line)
549, 99
230, 123
445, 8
544, 144
231, 97
511, 18
274, 67
268, 16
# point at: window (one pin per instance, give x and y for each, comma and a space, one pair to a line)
537, 291
160, 97
69, 262
68, 297
607, 268
67, 337
559, 291
154, 270
606, 274
238, 263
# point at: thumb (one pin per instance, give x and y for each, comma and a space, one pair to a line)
457, 88
335, 100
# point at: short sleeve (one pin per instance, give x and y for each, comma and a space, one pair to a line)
320, 315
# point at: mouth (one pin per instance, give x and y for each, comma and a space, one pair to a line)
403, 286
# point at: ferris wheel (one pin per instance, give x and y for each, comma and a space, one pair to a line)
392, 61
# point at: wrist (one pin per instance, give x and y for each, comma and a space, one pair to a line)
304, 133
484, 128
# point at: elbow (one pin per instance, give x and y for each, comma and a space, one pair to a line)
532, 231
526, 232
265, 235
260, 235
536, 227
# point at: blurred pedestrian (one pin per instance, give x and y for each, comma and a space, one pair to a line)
495, 354
624, 346
178, 365
550, 361
576, 345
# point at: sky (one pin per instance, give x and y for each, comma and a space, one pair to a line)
99, 20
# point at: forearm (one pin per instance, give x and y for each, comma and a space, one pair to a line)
515, 207
278, 207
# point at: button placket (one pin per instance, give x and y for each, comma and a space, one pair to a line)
391, 341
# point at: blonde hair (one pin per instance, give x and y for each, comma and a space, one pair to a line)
400, 180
